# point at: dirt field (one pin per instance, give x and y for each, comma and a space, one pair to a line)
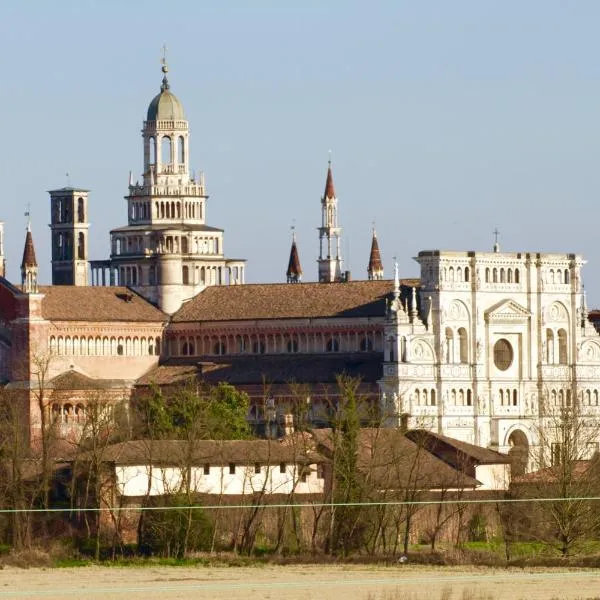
299, 582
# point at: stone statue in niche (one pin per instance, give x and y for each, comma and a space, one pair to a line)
478, 350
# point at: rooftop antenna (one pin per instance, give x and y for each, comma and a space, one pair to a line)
496, 244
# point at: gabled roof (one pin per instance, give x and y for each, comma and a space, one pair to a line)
97, 303
73, 380
508, 310
393, 461
200, 452
440, 444
284, 301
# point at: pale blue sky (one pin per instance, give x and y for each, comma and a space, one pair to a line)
446, 119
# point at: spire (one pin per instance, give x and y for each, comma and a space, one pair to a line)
375, 268
329, 187
29, 266
294, 270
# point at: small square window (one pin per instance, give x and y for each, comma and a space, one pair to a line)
282, 467
231, 468
257, 468
207, 469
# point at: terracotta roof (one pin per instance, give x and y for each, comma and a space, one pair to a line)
329, 188
578, 470
294, 270
200, 452
91, 303
73, 380
375, 263
440, 444
283, 301
28, 252
393, 461
259, 369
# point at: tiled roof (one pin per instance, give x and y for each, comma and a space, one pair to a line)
200, 452
284, 301
72, 380
579, 469
91, 303
256, 369
392, 461
375, 263
28, 252
435, 442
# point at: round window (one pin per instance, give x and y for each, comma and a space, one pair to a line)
503, 354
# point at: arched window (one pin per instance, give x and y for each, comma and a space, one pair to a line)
567, 276
562, 347
549, 346
502, 275
509, 275
184, 244
152, 151
453, 396
501, 397
81, 246
515, 397
220, 348
595, 397
292, 345
188, 348
461, 397
554, 398
120, 349
516, 275
186, 275
458, 274
333, 345
80, 211
451, 273
180, 150
258, 347
487, 275
495, 275
432, 397
366, 344
165, 150
449, 346
467, 274
469, 398
464, 345
588, 397
417, 397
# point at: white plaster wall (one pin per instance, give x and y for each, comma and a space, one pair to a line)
134, 480
493, 477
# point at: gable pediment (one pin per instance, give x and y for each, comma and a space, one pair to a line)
507, 310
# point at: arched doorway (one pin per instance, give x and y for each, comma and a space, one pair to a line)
519, 452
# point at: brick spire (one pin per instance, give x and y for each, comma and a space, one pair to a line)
294, 270
29, 266
375, 268
329, 187
29, 251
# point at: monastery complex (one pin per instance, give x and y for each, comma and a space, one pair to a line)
477, 348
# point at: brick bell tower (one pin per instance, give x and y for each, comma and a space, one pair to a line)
69, 225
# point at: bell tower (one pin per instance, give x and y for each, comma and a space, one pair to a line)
69, 226
330, 258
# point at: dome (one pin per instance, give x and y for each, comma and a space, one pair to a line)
165, 107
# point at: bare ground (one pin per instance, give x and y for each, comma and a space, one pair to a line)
348, 582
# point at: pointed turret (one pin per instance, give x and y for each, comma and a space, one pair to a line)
375, 268
29, 266
294, 270
329, 187
330, 258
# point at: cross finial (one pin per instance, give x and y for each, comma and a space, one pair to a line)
293, 229
28, 216
329, 161
496, 244
163, 60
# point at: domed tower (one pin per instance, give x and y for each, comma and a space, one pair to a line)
167, 252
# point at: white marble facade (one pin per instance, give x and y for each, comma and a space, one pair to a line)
489, 341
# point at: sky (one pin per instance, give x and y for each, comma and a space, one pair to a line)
445, 120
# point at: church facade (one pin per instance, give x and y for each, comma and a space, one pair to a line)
477, 348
